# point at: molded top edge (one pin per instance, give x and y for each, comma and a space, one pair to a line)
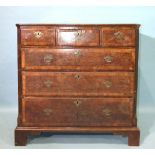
135, 25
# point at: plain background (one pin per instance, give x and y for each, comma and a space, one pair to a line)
9, 16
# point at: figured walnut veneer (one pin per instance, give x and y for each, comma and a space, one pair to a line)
77, 79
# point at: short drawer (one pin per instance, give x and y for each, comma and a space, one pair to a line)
78, 83
77, 111
78, 59
118, 37
37, 37
78, 37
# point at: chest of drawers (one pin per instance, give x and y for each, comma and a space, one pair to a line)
77, 79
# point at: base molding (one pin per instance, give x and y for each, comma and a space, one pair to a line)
22, 133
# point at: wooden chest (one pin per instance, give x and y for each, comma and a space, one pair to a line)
77, 79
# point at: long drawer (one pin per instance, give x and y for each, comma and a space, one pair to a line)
77, 111
78, 83
79, 59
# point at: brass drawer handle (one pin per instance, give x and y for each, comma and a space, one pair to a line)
119, 35
107, 113
47, 111
38, 34
48, 83
108, 58
77, 53
107, 83
77, 103
48, 59
78, 34
77, 77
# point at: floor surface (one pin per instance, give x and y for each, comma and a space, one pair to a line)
146, 124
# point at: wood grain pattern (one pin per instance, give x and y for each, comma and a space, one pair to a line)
79, 78
80, 37
118, 37
45, 37
84, 59
48, 112
129, 131
77, 111
78, 84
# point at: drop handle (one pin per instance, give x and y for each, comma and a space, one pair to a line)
108, 58
47, 111
48, 59
78, 34
48, 83
119, 35
107, 83
107, 112
77, 53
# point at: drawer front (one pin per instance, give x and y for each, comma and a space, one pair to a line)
78, 59
78, 83
78, 37
105, 112
77, 111
48, 112
38, 37
118, 37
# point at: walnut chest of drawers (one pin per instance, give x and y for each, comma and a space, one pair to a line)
77, 79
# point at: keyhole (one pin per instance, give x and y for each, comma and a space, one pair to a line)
77, 76
77, 103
